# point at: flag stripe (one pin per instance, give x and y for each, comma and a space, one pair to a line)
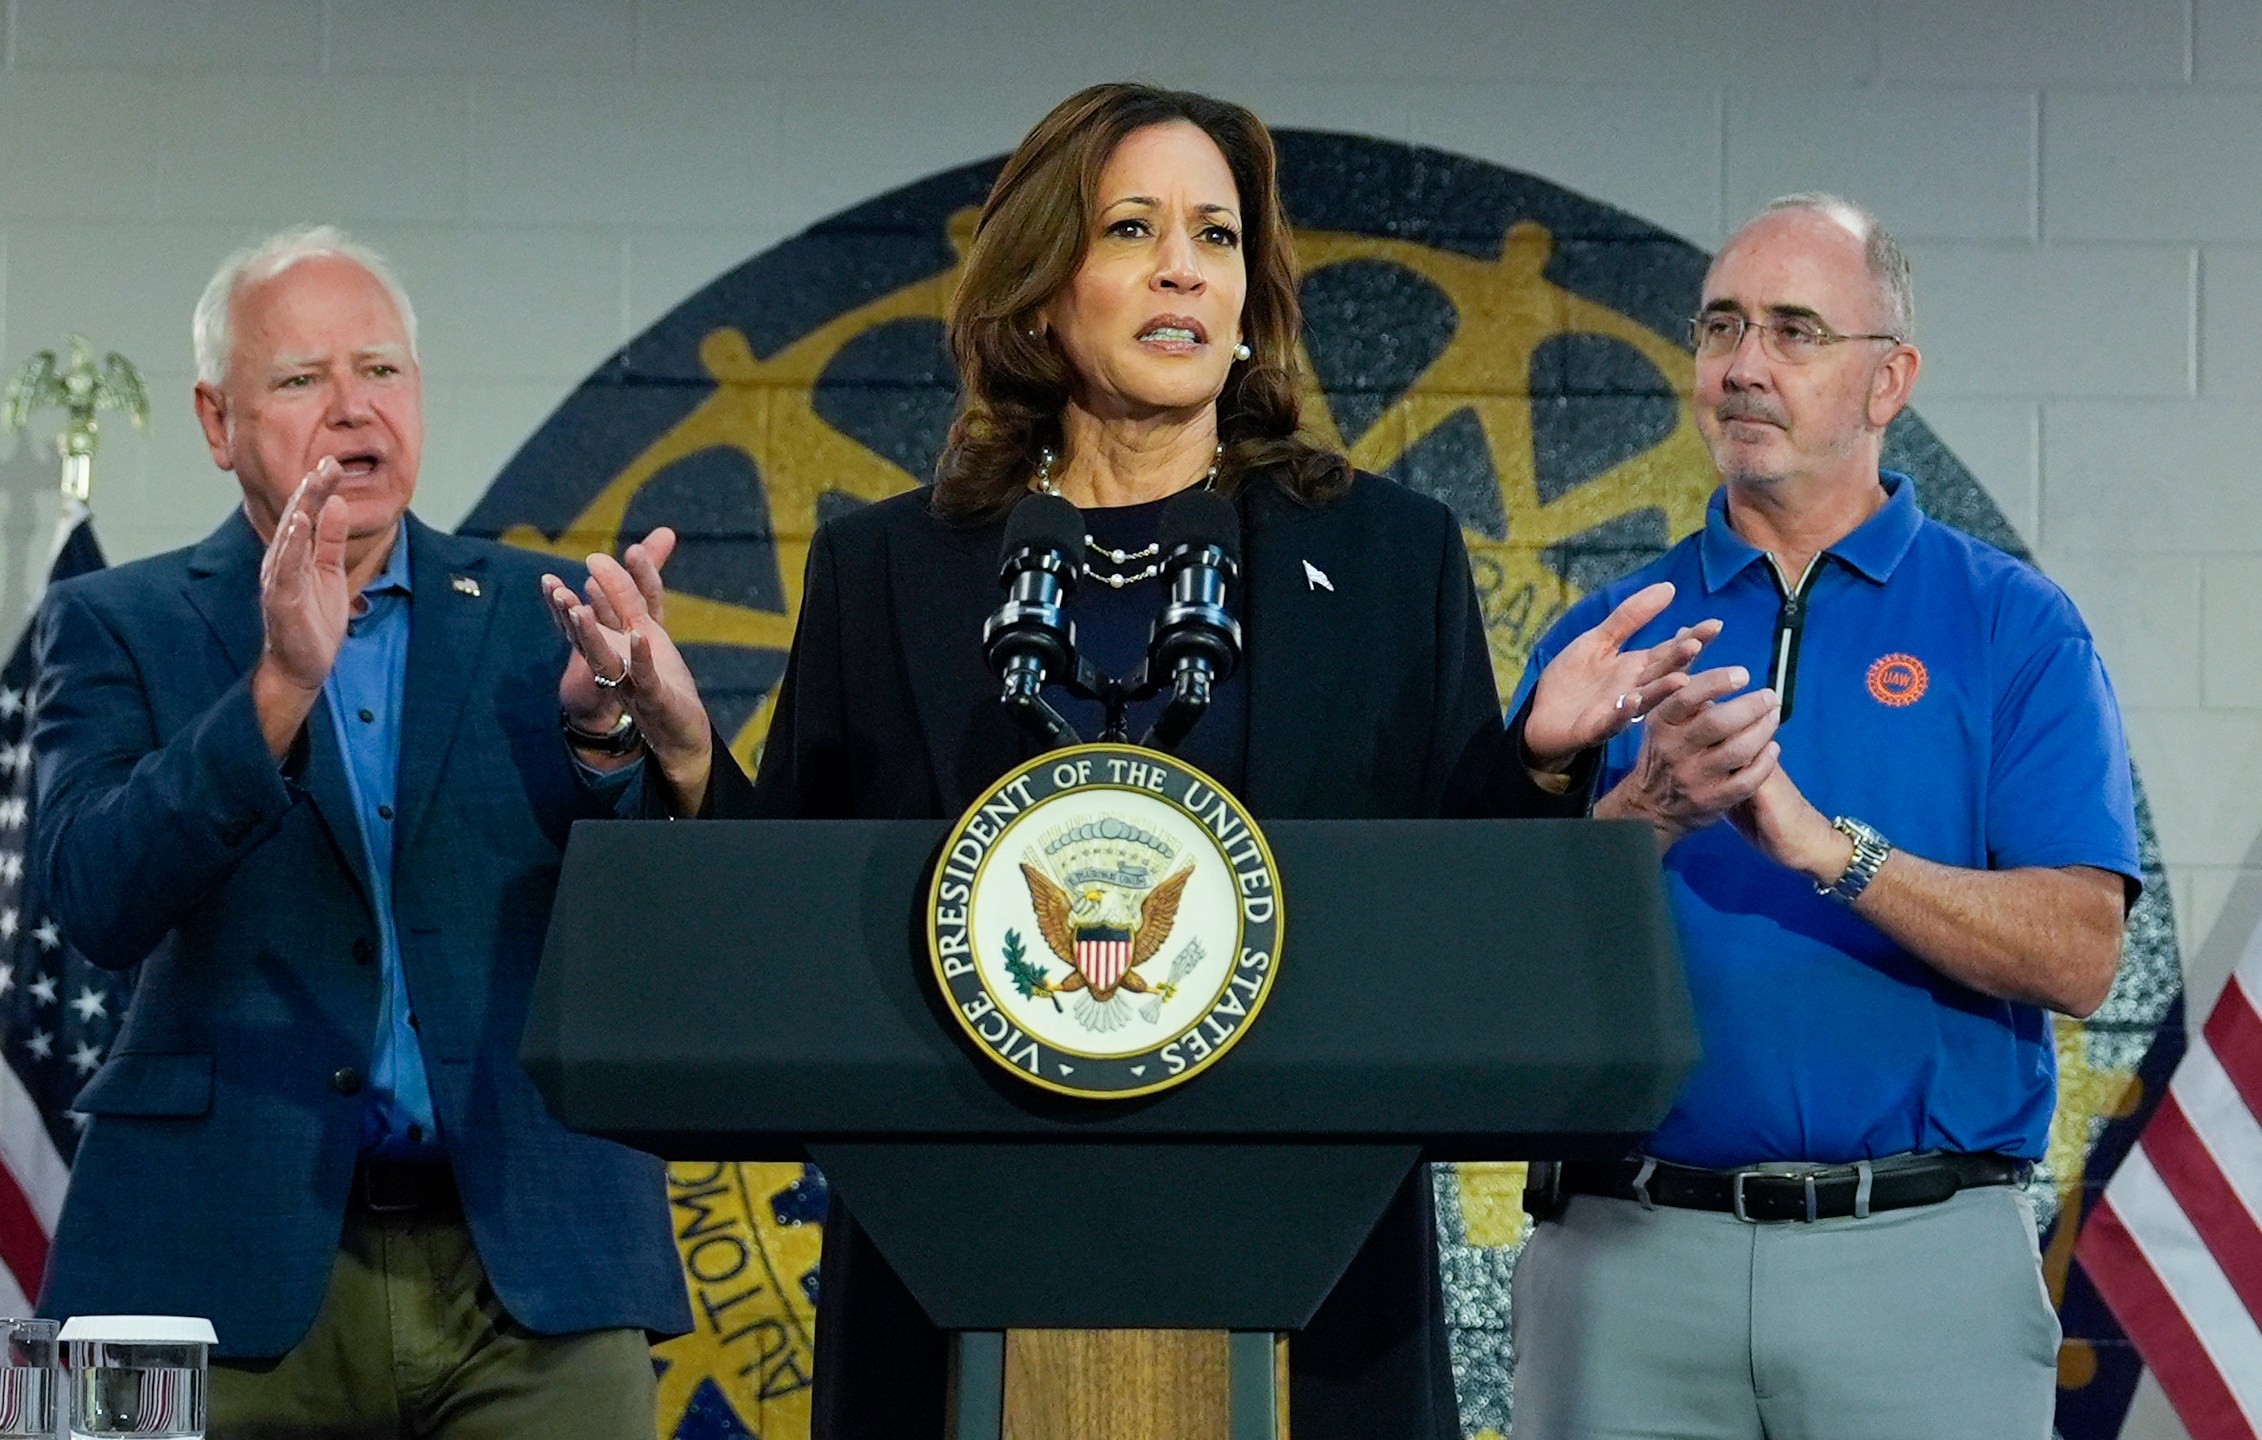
2162, 1333
2188, 1165
23, 1240
1103, 961
2234, 1033
27, 1152
2225, 1335
32, 1180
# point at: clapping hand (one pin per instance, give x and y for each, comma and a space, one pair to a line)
305, 601
623, 658
1596, 688
1782, 824
1706, 752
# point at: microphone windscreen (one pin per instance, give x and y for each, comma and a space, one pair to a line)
1044, 522
1201, 517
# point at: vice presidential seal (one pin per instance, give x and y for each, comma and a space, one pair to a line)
1105, 921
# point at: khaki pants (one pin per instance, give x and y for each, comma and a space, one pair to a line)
411, 1342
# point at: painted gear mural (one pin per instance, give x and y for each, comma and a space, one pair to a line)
1481, 335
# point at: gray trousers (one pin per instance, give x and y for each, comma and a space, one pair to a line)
1921, 1324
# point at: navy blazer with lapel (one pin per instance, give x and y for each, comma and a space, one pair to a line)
212, 1178
1370, 688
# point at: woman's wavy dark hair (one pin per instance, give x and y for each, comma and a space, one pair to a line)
1028, 245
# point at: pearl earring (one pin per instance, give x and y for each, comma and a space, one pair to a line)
1242, 351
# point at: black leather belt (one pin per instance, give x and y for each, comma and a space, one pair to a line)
1822, 1192
402, 1187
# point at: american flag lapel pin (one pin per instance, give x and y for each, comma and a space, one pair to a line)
464, 585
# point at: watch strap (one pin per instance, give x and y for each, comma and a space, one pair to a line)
1870, 850
622, 739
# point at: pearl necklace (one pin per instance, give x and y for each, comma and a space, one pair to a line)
1116, 579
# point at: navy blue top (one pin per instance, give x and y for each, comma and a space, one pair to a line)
1947, 694
1112, 627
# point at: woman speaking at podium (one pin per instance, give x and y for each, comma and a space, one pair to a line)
1127, 328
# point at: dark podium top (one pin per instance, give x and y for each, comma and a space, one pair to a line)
1458, 990
1483, 989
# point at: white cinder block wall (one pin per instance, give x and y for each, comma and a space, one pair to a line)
2079, 182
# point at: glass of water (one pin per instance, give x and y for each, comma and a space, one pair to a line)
137, 1375
31, 1389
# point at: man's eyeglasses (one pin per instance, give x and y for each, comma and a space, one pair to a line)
1792, 339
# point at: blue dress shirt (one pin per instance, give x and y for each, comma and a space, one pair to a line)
364, 691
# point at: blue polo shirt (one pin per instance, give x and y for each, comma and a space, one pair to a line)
1950, 696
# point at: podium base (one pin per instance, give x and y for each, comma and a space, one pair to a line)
1118, 1385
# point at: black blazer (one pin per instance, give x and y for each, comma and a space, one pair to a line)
1370, 689
1369, 694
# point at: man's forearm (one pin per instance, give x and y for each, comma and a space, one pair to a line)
128, 843
2044, 936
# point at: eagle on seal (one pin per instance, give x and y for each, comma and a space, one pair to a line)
1102, 938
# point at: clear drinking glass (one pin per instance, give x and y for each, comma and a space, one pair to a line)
31, 1388
137, 1375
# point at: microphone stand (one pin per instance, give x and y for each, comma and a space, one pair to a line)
1189, 701
1023, 696
1041, 720
1193, 636
1115, 697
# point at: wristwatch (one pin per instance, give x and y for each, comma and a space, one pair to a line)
1870, 850
622, 739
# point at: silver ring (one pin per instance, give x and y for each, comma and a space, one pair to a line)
605, 684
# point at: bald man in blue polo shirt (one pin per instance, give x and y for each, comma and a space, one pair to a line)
1898, 831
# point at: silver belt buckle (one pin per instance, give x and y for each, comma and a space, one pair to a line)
1737, 1181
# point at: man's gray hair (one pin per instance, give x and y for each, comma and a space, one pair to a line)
1888, 267
212, 330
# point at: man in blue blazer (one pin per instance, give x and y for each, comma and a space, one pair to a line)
309, 776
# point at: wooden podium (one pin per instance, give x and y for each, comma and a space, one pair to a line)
1138, 1384
1449, 990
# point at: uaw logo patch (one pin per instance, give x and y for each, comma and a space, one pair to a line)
1484, 336
1105, 921
1898, 680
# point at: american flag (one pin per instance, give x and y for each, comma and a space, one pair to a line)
58, 1013
2175, 1247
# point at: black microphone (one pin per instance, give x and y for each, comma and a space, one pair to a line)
1031, 639
1195, 643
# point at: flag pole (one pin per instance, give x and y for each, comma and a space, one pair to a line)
59, 1015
